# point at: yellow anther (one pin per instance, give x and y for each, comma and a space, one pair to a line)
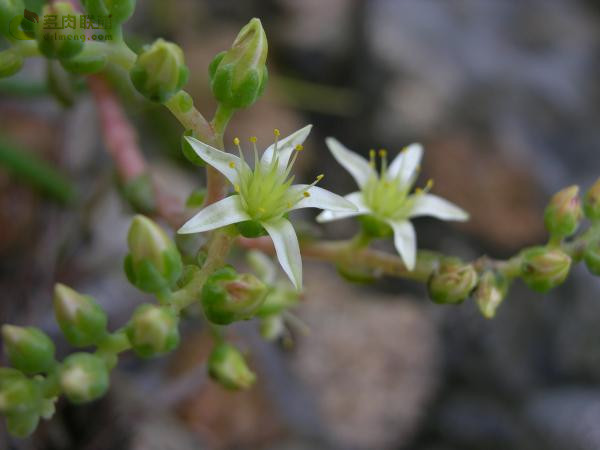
418, 190
276, 132
231, 164
236, 141
429, 184
236, 188
382, 153
320, 177
299, 147
306, 194
253, 139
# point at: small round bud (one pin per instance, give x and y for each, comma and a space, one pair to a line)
375, 228
153, 331
452, 282
591, 202
490, 292
28, 349
544, 268
61, 43
84, 377
153, 263
227, 366
18, 394
239, 75
189, 152
563, 214
23, 424
592, 257
159, 71
228, 297
10, 63
80, 317
118, 10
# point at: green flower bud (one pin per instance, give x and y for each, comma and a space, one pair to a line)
239, 76
375, 228
118, 10
153, 330
227, 366
84, 377
18, 394
80, 317
563, 214
154, 263
452, 282
591, 202
592, 257
491, 291
61, 43
228, 297
188, 151
272, 327
28, 349
10, 63
160, 71
23, 424
544, 268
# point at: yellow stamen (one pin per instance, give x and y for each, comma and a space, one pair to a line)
418, 190
236, 188
231, 164
299, 147
382, 153
320, 177
253, 139
276, 132
306, 194
429, 184
236, 141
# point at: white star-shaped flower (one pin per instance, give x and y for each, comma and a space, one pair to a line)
386, 195
264, 194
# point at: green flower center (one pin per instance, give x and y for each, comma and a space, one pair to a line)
389, 197
265, 190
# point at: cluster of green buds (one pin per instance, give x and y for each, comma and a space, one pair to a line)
238, 76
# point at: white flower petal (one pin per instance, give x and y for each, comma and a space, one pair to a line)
359, 168
220, 160
405, 242
356, 198
322, 198
434, 206
224, 212
406, 163
286, 246
285, 147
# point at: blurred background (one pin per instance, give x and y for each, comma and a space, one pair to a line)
505, 97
